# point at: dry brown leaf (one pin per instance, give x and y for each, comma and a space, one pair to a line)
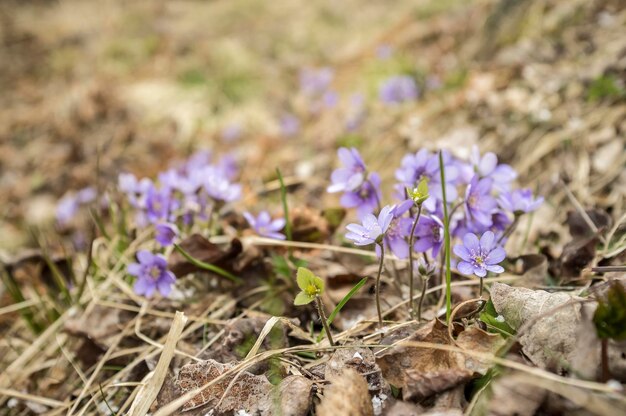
295, 396
510, 397
248, 392
533, 268
347, 395
100, 325
361, 360
423, 372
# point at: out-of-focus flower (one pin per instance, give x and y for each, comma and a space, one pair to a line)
479, 204
519, 201
428, 235
351, 175
372, 228
398, 89
232, 132
68, 206
218, 187
399, 230
158, 204
487, 167
479, 256
165, 233
289, 125
152, 274
315, 81
366, 198
264, 226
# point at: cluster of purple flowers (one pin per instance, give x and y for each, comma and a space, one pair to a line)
398, 89
68, 206
315, 84
480, 200
184, 194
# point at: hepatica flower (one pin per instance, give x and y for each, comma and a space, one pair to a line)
351, 175
399, 230
152, 274
372, 228
487, 166
479, 256
398, 89
479, 204
165, 233
519, 201
428, 235
264, 226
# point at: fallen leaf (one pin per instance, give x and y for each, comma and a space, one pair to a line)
347, 395
248, 392
578, 227
100, 325
361, 360
577, 255
533, 268
423, 372
295, 396
509, 396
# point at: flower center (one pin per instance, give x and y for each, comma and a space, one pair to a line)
311, 290
154, 272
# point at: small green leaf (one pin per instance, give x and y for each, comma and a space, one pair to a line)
303, 299
610, 315
308, 282
494, 322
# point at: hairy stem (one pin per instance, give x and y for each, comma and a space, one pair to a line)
419, 305
411, 241
320, 311
480, 288
380, 269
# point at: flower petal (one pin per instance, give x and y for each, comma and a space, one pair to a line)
462, 252
465, 268
495, 256
144, 256
471, 242
486, 241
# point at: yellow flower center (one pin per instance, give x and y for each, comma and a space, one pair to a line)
311, 290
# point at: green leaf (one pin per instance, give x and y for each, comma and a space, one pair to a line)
494, 321
207, 266
610, 315
309, 282
341, 304
302, 299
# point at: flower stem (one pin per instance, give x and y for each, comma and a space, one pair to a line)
604, 360
509, 230
446, 229
480, 288
419, 305
411, 241
320, 311
380, 269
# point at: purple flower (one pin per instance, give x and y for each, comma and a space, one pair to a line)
424, 164
519, 201
398, 89
219, 187
152, 274
351, 175
165, 233
487, 167
479, 257
399, 230
479, 204
365, 198
66, 209
289, 125
265, 226
158, 204
428, 235
315, 81
372, 228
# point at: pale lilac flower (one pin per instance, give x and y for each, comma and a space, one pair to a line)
487, 167
165, 233
351, 176
398, 89
479, 256
479, 204
159, 204
372, 228
219, 187
519, 201
399, 230
366, 198
232, 132
315, 81
289, 125
428, 235
66, 209
152, 274
424, 164
264, 226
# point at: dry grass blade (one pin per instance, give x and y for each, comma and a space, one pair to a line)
147, 393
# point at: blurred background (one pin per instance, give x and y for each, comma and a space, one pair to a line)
90, 89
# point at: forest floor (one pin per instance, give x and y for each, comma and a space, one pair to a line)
94, 89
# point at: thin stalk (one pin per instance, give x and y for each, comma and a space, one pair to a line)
320, 311
411, 289
419, 305
606, 373
446, 229
509, 230
480, 288
380, 269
